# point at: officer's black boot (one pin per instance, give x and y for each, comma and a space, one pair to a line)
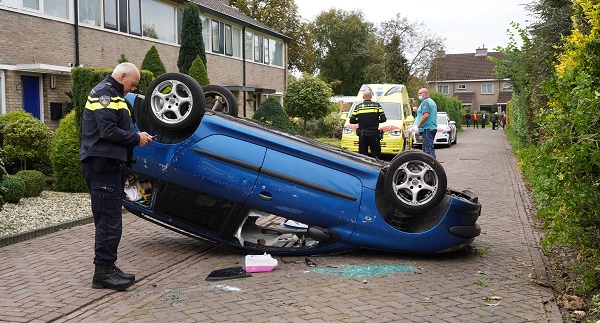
106, 277
120, 273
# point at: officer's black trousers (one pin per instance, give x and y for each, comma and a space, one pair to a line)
105, 182
366, 141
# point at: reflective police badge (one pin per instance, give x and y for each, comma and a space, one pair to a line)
104, 100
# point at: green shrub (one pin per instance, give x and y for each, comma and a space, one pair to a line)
15, 188
153, 63
9, 118
27, 139
64, 156
35, 182
272, 113
198, 72
2, 188
329, 126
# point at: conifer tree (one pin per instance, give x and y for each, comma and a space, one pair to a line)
198, 72
192, 43
153, 63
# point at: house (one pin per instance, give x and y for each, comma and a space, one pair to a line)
41, 40
470, 78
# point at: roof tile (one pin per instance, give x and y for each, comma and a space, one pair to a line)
464, 67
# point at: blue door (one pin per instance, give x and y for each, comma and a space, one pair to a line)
31, 94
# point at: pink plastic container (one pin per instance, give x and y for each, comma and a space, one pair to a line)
260, 263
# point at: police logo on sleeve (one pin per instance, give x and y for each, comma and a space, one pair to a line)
104, 100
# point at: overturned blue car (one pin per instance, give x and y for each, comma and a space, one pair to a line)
246, 186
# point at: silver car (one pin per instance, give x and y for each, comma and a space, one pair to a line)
446, 131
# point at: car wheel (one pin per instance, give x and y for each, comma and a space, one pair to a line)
415, 182
220, 99
175, 102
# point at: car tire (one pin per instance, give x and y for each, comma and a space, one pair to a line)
175, 102
220, 99
415, 182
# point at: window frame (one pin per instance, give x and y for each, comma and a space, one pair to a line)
266, 53
65, 4
97, 18
215, 36
486, 86
444, 89
248, 53
130, 12
228, 40
461, 86
30, 9
116, 14
258, 48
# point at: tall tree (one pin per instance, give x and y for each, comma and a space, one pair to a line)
416, 44
342, 40
283, 16
396, 64
192, 44
307, 98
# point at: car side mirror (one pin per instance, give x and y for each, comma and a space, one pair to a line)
409, 119
344, 115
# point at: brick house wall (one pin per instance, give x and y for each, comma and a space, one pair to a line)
29, 39
470, 70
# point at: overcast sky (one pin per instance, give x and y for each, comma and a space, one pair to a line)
465, 24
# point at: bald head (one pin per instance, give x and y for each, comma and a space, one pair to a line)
367, 95
128, 75
424, 92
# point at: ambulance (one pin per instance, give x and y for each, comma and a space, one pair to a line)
394, 100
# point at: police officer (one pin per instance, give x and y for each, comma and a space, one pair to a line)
368, 115
108, 138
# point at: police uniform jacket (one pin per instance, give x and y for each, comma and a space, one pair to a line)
368, 115
107, 127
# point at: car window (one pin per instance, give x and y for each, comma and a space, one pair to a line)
392, 110
442, 119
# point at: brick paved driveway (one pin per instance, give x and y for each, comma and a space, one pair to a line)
48, 278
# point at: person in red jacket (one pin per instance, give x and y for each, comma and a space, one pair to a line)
475, 118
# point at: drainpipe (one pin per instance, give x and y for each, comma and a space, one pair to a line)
76, 9
244, 67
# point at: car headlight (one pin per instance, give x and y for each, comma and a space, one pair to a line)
348, 131
395, 133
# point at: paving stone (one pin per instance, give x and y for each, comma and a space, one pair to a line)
49, 277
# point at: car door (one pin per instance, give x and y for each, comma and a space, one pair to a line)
307, 192
208, 182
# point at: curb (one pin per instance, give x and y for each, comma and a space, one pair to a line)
20, 237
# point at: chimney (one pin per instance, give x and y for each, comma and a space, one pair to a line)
481, 51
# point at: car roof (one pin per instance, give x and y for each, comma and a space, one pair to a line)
382, 92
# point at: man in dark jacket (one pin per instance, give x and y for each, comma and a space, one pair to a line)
108, 138
368, 115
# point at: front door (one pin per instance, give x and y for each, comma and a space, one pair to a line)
31, 95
